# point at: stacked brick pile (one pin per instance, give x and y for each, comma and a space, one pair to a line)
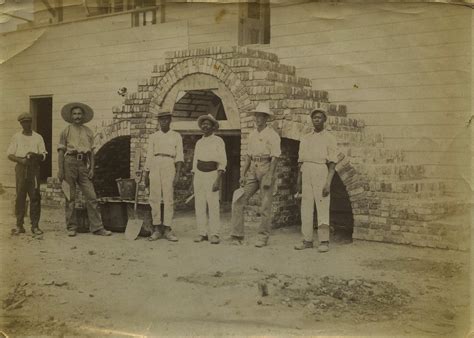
391, 199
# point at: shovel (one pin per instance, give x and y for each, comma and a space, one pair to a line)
134, 224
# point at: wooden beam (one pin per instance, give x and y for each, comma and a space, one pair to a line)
48, 6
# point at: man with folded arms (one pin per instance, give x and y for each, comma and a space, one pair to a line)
258, 173
162, 170
209, 164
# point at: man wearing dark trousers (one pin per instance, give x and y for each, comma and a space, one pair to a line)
27, 149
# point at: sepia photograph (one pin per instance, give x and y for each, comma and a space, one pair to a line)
236, 168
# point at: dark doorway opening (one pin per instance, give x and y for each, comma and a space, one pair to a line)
231, 177
341, 217
42, 110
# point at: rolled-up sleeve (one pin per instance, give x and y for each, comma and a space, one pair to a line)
221, 155
42, 147
332, 149
179, 149
62, 140
195, 156
302, 150
13, 146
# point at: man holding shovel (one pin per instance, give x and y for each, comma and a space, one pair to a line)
76, 165
162, 170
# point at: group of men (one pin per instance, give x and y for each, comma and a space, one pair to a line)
163, 166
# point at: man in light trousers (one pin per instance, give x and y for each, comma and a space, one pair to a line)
162, 170
209, 164
317, 160
258, 173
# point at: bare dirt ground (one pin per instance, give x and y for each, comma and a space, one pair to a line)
90, 285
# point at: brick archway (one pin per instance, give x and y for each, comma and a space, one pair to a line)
107, 132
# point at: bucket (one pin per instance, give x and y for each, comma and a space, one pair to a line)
126, 188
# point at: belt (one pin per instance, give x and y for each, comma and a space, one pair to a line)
79, 156
264, 158
164, 155
206, 166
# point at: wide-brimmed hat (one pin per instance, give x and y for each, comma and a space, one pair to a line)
67, 109
319, 110
208, 117
163, 114
24, 117
263, 107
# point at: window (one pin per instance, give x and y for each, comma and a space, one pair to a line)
254, 22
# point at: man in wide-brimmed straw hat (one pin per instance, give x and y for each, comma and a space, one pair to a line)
76, 166
258, 173
163, 164
317, 160
27, 149
209, 164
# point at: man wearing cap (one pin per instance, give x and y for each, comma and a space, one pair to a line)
162, 169
209, 164
258, 172
76, 166
27, 149
317, 160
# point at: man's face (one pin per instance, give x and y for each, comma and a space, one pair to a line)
77, 115
207, 127
318, 120
164, 122
26, 125
261, 119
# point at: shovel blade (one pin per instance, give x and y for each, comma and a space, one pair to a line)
133, 229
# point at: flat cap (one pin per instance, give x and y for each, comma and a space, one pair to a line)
24, 117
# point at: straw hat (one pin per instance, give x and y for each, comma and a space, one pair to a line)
67, 110
163, 114
208, 117
263, 107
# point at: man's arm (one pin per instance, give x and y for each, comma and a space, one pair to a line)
91, 163
178, 172
61, 164
17, 159
331, 172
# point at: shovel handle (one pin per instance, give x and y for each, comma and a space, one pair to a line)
135, 203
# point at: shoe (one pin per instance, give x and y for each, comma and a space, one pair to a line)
36, 231
155, 236
261, 242
236, 240
215, 240
168, 234
323, 247
18, 230
304, 245
200, 238
102, 232
71, 233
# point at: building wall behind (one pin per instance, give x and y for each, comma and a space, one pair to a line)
403, 68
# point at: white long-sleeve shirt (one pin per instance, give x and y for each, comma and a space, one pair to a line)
210, 148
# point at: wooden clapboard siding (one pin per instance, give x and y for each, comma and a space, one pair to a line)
86, 61
403, 68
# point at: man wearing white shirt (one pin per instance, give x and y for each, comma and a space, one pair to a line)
27, 149
258, 173
317, 160
162, 169
209, 164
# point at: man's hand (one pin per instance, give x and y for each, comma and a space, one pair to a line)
60, 175
90, 174
175, 180
217, 185
326, 190
267, 181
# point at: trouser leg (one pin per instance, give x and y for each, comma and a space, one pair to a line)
155, 196
319, 178
70, 176
213, 205
266, 195
34, 195
87, 188
237, 222
167, 177
200, 204
307, 207
21, 189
